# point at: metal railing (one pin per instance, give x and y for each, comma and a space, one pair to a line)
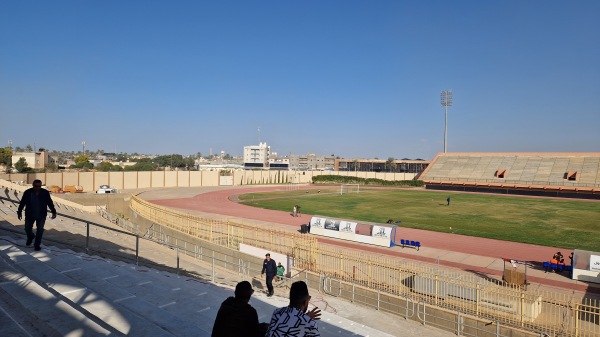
426, 293
554, 313
409, 307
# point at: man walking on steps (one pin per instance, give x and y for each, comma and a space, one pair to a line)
36, 202
270, 268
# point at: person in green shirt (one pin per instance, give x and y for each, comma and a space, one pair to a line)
280, 270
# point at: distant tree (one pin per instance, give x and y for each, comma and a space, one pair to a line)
50, 167
188, 163
389, 164
122, 157
81, 159
104, 166
171, 160
28, 148
142, 166
21, 166
6, 156
83, 165
19, 149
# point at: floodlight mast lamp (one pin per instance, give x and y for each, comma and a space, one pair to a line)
446, 100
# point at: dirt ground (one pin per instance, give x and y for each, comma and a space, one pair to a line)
91, 199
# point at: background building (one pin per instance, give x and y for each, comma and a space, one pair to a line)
311, 162
257, 156
380, 165
35, 160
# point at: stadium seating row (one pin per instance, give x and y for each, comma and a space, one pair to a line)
410, 243
557, 267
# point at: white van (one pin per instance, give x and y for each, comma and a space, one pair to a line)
106, 189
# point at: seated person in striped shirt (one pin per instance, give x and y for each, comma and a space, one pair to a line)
293, 320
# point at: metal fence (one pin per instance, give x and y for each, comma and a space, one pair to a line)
404, 283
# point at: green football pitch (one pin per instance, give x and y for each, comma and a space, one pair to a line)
566, 223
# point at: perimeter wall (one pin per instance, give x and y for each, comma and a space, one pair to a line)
90, 181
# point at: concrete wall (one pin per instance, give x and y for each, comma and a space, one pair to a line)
583, 270
157, 179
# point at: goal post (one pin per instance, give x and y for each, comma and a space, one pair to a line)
292, 187
349, 188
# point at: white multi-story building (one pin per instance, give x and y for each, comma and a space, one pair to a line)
257, 156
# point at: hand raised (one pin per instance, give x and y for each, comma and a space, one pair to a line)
315, 313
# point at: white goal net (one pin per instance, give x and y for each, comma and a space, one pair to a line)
349, 188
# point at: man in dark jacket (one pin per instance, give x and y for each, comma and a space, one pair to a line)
270, 268
36, 202
237, 318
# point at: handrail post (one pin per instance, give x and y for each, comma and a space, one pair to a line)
137, 250
213, 266
576, 315
87, 238
177, 251
522, 308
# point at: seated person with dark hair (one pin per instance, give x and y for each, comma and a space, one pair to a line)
293, 320
236, 317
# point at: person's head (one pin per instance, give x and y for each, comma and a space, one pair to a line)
244, 291
37, 184
279, 264
299, 297
268, 256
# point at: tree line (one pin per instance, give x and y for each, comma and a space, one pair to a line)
83, 162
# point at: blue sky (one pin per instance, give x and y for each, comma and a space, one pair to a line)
350, 78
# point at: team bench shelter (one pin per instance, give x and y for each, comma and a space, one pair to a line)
370, 233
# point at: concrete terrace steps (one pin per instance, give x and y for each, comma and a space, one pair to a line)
98, 296
532, 169
94, 285
37, 309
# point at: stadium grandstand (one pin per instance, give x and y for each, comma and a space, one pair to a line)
569, 175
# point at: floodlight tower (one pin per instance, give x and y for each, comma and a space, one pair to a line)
83, 146
446, 100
